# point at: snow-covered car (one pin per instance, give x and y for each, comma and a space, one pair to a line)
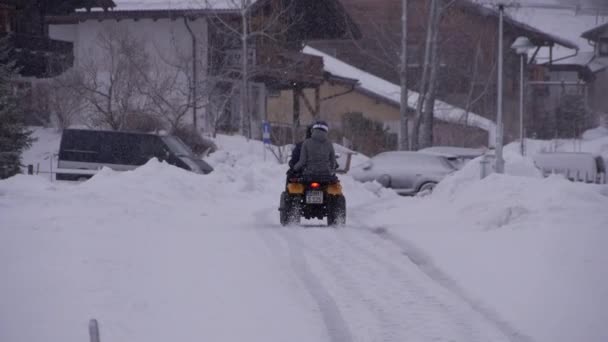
406, 172
576, 166
458, 156
82, 152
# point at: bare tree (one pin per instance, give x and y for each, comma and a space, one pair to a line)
473, 96
247, 36
64, 102
110, 76
426, 128
427, 68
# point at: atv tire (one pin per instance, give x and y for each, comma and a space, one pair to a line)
289, 211
336, 215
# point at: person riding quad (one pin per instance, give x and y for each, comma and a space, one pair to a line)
317, 156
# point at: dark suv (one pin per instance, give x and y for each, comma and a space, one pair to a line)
83, 149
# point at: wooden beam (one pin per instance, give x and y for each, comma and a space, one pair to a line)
296, 112
317, 102
308, 105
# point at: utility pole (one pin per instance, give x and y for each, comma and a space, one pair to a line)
403, 127
500, 163
244, 93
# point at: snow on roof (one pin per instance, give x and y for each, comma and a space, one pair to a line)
149, 5
586, 59
598, 64
595, 32
491, 8
561, 22
582, 58
556, 18
392, 92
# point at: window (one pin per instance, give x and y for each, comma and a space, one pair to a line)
603, 47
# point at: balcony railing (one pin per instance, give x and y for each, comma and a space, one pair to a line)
277, 67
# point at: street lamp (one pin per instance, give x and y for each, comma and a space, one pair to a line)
521, 46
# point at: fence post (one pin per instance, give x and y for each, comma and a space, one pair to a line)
94, 330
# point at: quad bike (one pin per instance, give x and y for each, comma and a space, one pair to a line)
313, 197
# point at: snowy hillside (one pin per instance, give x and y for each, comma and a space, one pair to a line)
161, 254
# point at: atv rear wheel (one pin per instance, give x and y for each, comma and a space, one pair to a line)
336, 215
289, 210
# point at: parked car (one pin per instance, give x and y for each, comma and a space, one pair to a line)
406, 172
458, 156
576, 166
82, 151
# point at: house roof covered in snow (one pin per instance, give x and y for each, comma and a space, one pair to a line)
598, 64
581, 59
326, 19
586, 61
147, 5
536, 34
392, 92
594, 33
568, 24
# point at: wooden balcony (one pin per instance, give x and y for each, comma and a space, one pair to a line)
278, 68
39, 56
283, 69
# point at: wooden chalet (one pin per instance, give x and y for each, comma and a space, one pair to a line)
468, 51
22, 24
275, 58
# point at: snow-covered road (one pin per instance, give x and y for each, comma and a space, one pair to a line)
161, 254
368, 288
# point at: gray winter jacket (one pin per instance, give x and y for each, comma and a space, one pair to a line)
317, 156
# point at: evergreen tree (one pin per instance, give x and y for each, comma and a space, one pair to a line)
571, 117
14, 136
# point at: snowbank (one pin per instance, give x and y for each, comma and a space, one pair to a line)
595, 133
593, 142
43, 150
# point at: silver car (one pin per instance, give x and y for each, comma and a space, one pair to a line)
458, 156
406, 172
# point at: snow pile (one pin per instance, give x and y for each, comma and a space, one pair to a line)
515, 165
43, 150
595, 133
243, 169
598, 145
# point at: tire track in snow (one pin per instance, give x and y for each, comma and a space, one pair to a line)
405, 306
371, 293
336, 326
425, 264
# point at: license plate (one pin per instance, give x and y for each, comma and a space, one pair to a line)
314, 197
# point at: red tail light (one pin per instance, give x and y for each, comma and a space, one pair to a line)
315, 185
